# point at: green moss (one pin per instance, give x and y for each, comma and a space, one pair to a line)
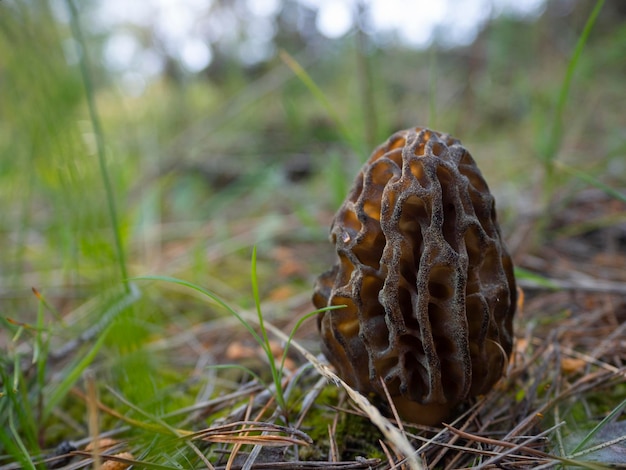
355, 436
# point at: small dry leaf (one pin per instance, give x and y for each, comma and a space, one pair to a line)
114, 465
521, 345
238, 350
281, 293
103, 443
289, 262
570, 365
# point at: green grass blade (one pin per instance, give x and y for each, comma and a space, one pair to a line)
556, 134
247, 370
99, 134
611, 416
158, 426
74, 371
587, 178
257, 301
38, 347
338, 179
276, 373
24, 454
214, 297
521, 273
297, 327
14, 405
432, 87
262, 340
306, 79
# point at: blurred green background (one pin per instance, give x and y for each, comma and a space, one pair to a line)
212, 144
209, 142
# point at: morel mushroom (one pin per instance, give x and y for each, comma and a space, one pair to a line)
426, 279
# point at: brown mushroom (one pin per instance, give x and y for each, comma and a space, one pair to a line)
426, 279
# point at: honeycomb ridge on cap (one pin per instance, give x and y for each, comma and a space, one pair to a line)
425, 276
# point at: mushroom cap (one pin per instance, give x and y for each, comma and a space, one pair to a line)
426, 279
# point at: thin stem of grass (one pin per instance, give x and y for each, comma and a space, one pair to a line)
72, 375
81, 47
245, 369
25, 455
550, 144
315, 90
17, 424
555, 137
432, 88
276, 373
214, 297
111, 307
156, 422
299, 324
40, 359
17, 370
611, 416
40, 347
365, 79
587, 178
262, 339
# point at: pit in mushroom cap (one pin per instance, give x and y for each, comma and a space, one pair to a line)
426, 279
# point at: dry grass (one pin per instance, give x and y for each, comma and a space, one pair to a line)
567, 367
